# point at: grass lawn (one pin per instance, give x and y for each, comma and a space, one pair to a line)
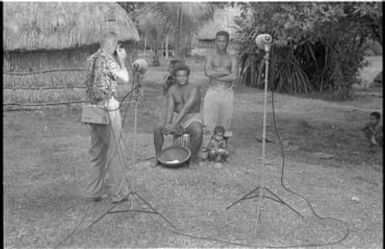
46, 168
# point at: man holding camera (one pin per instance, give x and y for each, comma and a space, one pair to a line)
106, 145
221, 69
182, 113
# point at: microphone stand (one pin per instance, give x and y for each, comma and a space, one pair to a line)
133, 195
262, 188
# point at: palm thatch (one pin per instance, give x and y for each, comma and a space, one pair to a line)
223, 20
60, 25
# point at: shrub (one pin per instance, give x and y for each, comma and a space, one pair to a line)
317, 46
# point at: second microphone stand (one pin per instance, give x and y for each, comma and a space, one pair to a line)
262, 191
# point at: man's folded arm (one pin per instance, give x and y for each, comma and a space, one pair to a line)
232, 76
211, 72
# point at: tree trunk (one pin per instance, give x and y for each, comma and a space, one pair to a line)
162, 48
155, 48
145, 45
167, 46
178, 35
379, 4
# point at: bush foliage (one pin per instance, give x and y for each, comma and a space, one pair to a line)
317, 46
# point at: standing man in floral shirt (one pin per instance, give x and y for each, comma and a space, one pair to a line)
106, 145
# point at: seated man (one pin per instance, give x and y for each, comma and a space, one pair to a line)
183, 112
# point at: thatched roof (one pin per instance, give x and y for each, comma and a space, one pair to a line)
60, 25
223, 20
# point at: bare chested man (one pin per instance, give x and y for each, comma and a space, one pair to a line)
183, 112
221, 68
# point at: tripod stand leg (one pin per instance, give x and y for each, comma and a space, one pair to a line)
276, 199
101, 217
242, 198
284, 203
156, 211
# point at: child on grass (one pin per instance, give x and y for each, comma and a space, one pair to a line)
373, 130
217, 148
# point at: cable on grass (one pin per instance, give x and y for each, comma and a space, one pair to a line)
74, 229
228, 242
295, 193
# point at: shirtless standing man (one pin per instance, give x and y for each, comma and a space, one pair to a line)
183, 111
221, 68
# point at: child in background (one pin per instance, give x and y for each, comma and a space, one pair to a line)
217, 148
373, 130
168, 79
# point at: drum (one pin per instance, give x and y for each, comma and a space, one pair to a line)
182, 141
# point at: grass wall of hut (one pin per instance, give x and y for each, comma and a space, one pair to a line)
48, 87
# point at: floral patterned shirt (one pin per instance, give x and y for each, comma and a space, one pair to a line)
100, 81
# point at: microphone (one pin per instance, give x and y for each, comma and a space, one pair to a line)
264, 42
140, 66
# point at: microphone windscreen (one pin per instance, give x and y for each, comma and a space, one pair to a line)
264, 41
140, 66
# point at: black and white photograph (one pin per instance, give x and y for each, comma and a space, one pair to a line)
193, 124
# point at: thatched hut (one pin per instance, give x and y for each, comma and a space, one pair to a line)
54, 35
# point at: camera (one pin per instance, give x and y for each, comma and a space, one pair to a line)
264, 41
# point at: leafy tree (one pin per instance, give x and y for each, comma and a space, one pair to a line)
318, 45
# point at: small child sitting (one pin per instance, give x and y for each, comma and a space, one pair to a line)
373, 130
217, 148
